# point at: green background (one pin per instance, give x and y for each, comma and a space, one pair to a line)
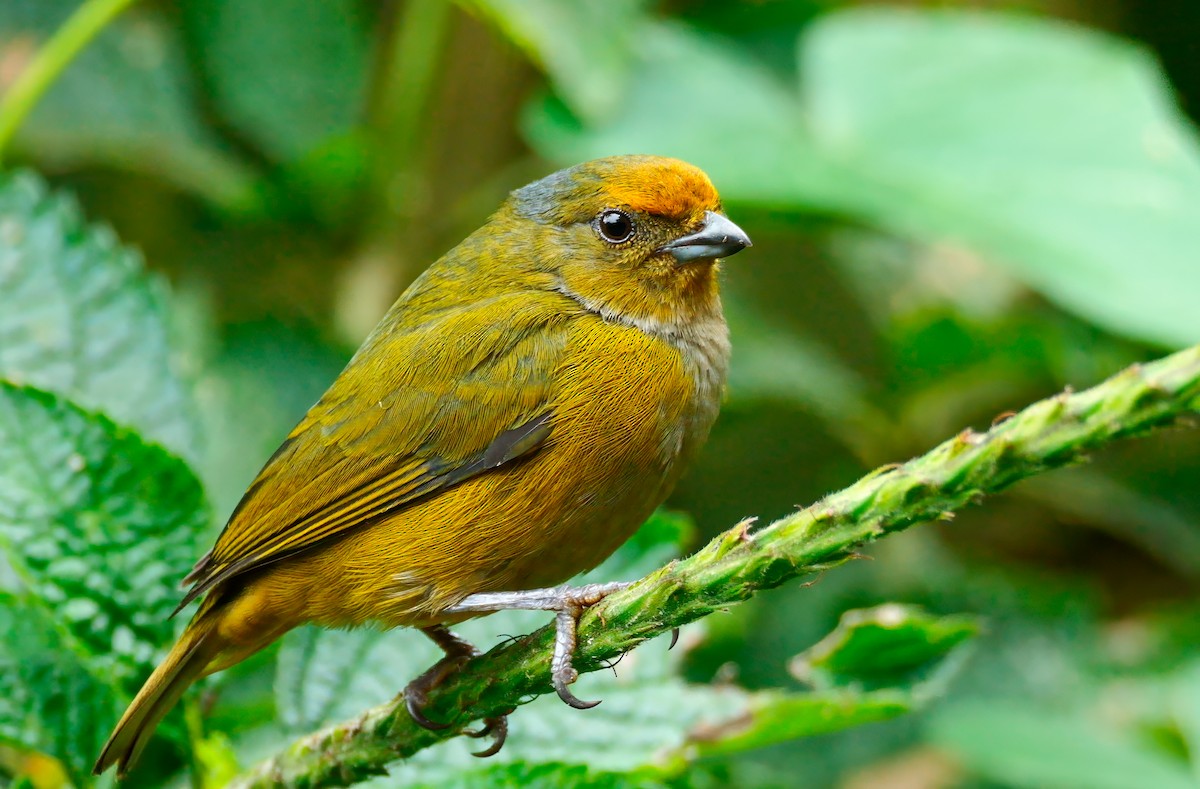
957, 208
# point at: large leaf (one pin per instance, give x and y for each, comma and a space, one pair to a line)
49, 699
288, 74
754, 150
78, 316
590, 70
1026, 746
99, 526
126, 100
1055, 152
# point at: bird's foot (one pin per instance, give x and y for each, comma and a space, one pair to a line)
569, 603
416, 695
497, 728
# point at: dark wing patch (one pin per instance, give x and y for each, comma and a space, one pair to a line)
402, 422
403, 486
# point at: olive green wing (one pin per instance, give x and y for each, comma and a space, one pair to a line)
414, 413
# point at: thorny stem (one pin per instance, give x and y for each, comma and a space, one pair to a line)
1049, 434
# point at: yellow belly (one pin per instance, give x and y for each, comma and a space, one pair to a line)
628, 410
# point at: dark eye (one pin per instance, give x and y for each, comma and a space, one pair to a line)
614, 226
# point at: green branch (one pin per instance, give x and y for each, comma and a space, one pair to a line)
1049, 434
54, 56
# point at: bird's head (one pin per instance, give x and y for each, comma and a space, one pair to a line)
635, 238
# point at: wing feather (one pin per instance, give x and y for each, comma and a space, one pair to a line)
414, 413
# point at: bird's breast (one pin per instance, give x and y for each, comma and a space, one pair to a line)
628, 410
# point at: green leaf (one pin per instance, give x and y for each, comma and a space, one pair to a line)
288, 74
754, 152
519, 775
1185, 709
1056, 153
1024, 746
78, 316
592, 72
125, 101
879, 663
49, 700
99, 526
888, 646
773, 718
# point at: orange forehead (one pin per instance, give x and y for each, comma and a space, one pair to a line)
657, 185
648, 184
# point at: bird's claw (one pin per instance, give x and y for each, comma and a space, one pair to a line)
416, 695
573, 604
414, 702
498, 728
564, 692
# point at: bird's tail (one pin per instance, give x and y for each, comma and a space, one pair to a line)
183, 665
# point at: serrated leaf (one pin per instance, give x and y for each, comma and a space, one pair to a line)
126, 100
79, 317
888, 646
99, 525
288, 74
49, 700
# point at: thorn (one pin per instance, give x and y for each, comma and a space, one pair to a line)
886, 468
741, 531
1003, 417
946, 515
815, 580
611, 665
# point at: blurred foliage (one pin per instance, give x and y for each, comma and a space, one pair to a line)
954, 213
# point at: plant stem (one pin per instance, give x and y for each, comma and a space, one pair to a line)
67, 42
735, 565
408, 76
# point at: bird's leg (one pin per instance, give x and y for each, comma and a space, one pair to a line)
458, 651
569, 603
416, 694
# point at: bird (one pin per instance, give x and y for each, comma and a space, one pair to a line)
519, 411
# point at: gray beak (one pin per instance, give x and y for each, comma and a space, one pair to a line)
716, 238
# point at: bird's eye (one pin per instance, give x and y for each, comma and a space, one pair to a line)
614, 226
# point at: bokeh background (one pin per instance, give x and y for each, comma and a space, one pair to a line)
957, 207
